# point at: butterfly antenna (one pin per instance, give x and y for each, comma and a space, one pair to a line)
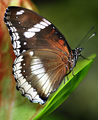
88, 36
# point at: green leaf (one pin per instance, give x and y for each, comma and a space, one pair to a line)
66, 89
16, 107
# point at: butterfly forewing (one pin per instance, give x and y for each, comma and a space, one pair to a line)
29, 30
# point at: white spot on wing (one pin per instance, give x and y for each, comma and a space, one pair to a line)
24, 64
40, 101
43, 23
39, 26
17, 52
28, 96
40, 75
7, 17
19, 59
26, 86
13, 36
9, 23
23, 51
25, 43
17, 36
40, 72
47, 86
22, 90
34, 29
35, 67
46, 21
14, 44
18, 44
20, 12
18, 66
13, 29
43, 80
29, 34
21, 80
18, 73
31, 53
32, 92
35, 61
8, 13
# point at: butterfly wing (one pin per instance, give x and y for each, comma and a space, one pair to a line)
39, 73
42, 53
28, 30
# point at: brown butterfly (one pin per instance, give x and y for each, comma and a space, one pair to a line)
43, 56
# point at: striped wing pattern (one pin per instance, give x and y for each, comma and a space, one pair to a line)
38, 74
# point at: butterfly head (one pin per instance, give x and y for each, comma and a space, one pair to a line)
77, 52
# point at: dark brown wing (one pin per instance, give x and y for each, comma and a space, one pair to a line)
38, 73
28, 30
42, 53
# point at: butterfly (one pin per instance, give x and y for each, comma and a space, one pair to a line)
43, 56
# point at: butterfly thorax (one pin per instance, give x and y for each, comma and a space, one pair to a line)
76, 54
71, 60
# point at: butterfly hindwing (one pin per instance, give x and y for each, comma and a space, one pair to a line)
38, 73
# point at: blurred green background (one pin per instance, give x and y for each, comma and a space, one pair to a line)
74, 18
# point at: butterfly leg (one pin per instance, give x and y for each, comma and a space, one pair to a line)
84, 57
73, 73
66, 79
